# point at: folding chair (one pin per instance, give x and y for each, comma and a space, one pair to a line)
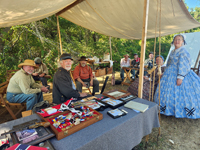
72, 71
3, 89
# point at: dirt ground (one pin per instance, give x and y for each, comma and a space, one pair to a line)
184, 133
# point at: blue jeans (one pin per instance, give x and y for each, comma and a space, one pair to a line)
122, 73
29, 99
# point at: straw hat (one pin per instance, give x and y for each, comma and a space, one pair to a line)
126, 55
28, 62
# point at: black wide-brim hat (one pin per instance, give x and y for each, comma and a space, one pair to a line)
83, 58
65, 56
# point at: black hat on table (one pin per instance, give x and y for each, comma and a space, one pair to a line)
65, 56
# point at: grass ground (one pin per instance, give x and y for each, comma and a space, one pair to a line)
185, 133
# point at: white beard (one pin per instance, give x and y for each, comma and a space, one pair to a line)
68, 68
29, 72
83, 65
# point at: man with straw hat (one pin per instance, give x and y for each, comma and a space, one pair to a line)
84, 77
22, 87
63, 83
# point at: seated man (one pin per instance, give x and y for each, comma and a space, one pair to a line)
83, 74
125, 62
40, 72
148, 63
135, 63
22, 88
63, 82
148, 84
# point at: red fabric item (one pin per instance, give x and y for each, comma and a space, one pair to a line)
45, 114
138, 59
25, 147
82, 72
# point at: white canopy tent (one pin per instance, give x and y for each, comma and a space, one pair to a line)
192, 40
116, 18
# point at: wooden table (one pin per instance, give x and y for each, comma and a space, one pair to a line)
108, 134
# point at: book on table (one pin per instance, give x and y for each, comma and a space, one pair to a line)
137, 106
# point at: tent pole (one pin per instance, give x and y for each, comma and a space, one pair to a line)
110, 48
58, 28
143, 46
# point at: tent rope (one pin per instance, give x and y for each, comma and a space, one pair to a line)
154, 55
58, 28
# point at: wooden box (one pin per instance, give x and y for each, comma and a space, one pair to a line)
100, 72
61, 133
27, 113
121, 94
109, 70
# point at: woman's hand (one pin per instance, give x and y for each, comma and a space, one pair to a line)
178, 82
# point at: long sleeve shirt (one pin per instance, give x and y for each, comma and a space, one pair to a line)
21, 82
124, 63
41, 69
82, 72
63, 86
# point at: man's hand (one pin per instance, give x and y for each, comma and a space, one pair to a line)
42, 75
44, 89
179, 82
83, 94
35, 74
84, 85
91, 83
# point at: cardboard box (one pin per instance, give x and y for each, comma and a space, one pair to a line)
27, 113
100, 72
109, 70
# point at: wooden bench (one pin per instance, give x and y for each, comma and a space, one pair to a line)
3, 90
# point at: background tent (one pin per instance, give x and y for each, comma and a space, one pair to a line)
192, 40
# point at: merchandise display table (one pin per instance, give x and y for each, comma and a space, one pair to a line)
121, 133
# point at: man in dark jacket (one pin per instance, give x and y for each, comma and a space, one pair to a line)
63, 83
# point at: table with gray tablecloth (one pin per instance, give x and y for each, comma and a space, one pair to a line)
108, 134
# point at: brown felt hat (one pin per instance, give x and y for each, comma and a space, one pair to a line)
28, 62
83, 58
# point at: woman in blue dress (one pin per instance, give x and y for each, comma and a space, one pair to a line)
179, 85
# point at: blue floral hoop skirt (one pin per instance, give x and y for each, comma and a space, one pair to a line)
180, 101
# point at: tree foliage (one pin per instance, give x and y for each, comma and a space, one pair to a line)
40, 39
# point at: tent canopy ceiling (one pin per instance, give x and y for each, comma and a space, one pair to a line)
116, 18
16, 12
